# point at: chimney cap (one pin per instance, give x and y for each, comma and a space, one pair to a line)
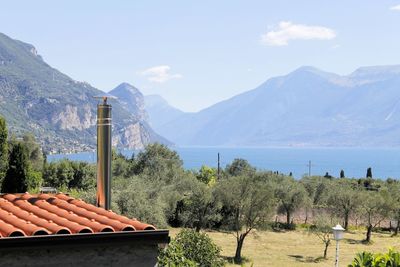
105, 96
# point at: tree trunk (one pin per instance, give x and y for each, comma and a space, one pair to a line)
306, 219
369, 231
287, 218
326, 249
346, 220
238, 254
396, 230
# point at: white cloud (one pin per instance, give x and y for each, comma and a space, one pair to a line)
288, 31
395, 8
160, 74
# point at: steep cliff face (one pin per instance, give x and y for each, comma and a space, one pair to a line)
132, 100
60, 111
133, 134
70, 118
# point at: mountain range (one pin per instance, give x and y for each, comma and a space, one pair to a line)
60, 111
307, 107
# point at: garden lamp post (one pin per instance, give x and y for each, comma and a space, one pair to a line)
337, 235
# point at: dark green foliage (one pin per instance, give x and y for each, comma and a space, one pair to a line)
121, 166
34, 151
69, 174
3, 148
193, 246
239, 167
200, 207
369, 173
158, 162
136, 199
174, 256
16, 179
342, 174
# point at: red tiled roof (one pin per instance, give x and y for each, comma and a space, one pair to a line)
45, 214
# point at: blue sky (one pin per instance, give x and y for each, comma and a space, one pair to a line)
196, 53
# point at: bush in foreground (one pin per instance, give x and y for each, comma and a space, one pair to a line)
191, 248
368, 259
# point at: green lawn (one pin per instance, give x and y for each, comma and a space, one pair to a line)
297, 248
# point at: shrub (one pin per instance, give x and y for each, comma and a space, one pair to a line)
367, 259
191, 247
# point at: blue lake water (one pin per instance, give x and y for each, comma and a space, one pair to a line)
385, 162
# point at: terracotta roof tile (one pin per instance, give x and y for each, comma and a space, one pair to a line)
43, 214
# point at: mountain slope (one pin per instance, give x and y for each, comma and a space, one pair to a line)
60, 111
160, 112
307, 107
131, 99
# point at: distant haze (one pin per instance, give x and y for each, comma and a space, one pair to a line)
197, 53
307, 107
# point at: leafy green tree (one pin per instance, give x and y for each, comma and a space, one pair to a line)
84, 175
3, 148
196, 247
317, 189
322, 228
58, 174
16, 179
120, 165
207, 175
344, 200
342, 174
158, 162
69, 174
134, 198
252, 201
239, 167
375, 209
34, 151
201, 207
291, 196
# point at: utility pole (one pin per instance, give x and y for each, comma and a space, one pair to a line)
309, 168
219, 167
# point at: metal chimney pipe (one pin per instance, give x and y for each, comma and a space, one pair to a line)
104, 153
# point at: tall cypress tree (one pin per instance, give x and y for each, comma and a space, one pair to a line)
16, 177
3, 148
369, 173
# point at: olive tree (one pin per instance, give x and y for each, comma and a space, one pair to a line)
322, 228
375, 208
252, 201
201, 207
344, 201
291, 196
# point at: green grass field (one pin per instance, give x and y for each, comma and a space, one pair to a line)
297, 248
